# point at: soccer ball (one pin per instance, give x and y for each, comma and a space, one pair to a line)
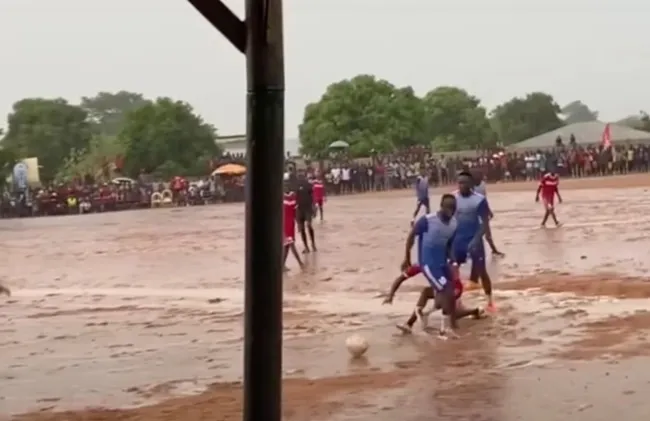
357, 345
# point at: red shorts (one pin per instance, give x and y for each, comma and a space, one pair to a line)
548, 202
289, 235
318, 202
412, 271
458, 288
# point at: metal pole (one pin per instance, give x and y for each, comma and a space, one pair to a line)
265, 141
261, 38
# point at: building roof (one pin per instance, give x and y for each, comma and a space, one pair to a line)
585, 133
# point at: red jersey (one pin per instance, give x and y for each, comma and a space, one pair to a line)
548, 185
318, 192
289, 218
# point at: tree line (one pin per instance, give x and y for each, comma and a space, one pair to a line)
373, 115
160, 136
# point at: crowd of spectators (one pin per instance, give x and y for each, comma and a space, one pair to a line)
398, 170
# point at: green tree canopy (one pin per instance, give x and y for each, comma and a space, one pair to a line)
455, 120
107, 110
367, 113
166, 137
522, 118
577, 112
48, 129
97, 160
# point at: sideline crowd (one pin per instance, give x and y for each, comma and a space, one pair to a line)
340, 176
399, 170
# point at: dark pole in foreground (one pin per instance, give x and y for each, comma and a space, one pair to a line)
263, 39
265, 149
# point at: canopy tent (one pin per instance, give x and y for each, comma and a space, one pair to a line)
230, 169
122, 180
587, 133
339, 144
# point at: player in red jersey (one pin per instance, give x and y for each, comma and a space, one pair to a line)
409, 273
319, 196
290, 228
549, 188
427, 294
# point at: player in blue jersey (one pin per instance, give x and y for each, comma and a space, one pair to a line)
473, 216
435, 233
421, 194
480, 187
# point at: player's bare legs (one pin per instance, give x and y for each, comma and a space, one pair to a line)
292, 246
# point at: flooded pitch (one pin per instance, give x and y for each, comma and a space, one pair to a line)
142, 311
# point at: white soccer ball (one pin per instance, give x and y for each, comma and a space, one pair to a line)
357, 345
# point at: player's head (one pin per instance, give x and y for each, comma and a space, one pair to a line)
465, 182
448, 205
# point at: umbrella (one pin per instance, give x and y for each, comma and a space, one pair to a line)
120, 180
230, 169
339, 144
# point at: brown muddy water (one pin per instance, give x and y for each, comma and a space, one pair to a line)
142, 311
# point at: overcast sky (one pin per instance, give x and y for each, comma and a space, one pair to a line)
596, 51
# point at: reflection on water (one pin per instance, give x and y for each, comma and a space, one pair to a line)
138, 299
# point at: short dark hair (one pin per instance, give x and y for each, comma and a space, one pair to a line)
447, 196
466, 173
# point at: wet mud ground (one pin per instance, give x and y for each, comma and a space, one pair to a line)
142, 311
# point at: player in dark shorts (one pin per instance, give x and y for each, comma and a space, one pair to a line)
305, 211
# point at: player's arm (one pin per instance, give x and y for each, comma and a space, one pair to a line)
420, 227
539, 189
483, 213
557, 191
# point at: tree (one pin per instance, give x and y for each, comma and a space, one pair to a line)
522, 118
168, 138
367, 113
455, 120
47, 129
107, 110
577, 112
639, 121
8, 159
97, 160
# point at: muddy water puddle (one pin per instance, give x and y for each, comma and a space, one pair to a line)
148, 305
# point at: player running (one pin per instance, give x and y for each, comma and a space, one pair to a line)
480, 187
435, 233
421, 194
289, 227
473, 216
319, 196
549, 188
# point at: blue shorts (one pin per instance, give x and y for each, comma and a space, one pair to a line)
423, 201
462, 254
439, 277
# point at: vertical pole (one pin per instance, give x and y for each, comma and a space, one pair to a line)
265, 141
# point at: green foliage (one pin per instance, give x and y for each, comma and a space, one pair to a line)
48, 129
522, 118
107, 110
96, 160
367, 113
166, 136
8, 158
577, 112
455, 120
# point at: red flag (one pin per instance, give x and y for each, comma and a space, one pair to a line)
607, 137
